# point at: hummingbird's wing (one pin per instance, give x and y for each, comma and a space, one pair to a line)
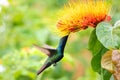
48, 51
47, 46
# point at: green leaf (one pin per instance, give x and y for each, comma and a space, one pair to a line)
97, 50
109, 36
94, 44
96, 60
106, 75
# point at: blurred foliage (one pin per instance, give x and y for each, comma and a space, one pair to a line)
25, 22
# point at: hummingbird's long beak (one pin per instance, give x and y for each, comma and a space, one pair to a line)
45, 66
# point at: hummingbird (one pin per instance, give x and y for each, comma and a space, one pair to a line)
54, 55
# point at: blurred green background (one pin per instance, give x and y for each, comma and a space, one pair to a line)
27, 22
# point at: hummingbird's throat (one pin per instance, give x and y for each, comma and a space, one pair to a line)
62, 44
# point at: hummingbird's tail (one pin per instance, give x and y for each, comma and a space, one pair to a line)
45, 66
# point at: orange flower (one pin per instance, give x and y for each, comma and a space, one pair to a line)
80, 15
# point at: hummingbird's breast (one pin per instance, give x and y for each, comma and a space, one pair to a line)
56, 58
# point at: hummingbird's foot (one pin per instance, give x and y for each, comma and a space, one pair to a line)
54, 64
